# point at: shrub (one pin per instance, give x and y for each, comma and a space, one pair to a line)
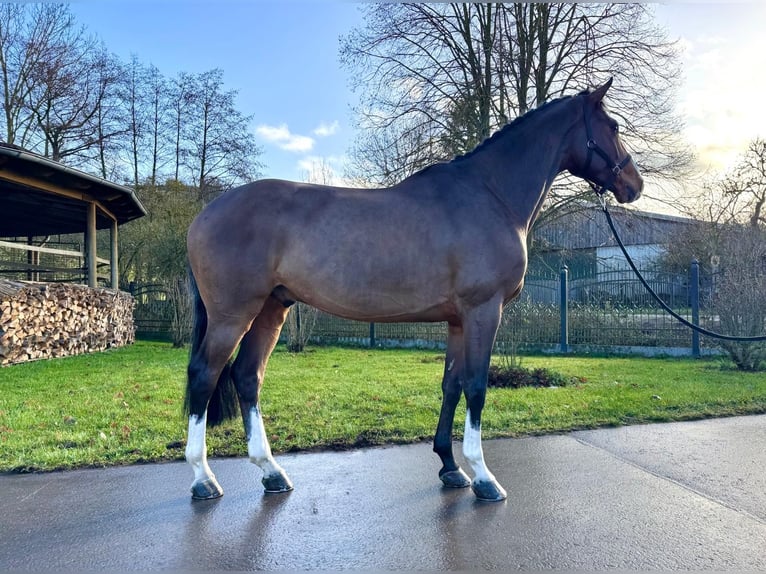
516, 376
740, 295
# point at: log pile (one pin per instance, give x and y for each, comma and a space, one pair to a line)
44, 320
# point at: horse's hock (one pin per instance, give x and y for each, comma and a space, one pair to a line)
45, 320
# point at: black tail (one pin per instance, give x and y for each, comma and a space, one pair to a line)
223, 403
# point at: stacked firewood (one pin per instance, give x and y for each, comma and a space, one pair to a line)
43, 320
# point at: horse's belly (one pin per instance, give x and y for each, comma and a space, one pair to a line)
375, 305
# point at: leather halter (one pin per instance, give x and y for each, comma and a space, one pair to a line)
615, 168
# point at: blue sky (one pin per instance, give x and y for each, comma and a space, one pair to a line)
282, 57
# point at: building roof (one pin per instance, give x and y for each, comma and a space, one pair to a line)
39, 196
586, 228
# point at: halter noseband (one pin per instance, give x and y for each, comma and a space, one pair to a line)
616, 168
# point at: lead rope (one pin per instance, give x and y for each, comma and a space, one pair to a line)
651, 291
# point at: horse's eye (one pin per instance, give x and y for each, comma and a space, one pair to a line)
616, 128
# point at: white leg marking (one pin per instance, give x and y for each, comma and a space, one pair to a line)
258, 445
473, 452
196, 449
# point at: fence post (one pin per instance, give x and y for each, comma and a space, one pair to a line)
564, 296
372, 335
695, 302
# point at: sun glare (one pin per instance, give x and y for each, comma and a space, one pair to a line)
721, 97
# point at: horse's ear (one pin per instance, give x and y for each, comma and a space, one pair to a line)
598, 94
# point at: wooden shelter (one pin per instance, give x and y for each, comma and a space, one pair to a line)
40, 197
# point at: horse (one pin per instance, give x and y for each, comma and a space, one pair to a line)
446, 244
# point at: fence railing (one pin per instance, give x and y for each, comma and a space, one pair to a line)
53, 262
607, 311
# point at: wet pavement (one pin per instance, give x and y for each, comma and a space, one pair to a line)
674, 496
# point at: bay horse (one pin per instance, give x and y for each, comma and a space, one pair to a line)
446, 244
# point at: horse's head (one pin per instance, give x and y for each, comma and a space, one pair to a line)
601, 158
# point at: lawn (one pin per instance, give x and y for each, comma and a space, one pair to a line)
124, 406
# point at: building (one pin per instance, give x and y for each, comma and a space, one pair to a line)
40, 198
583, 241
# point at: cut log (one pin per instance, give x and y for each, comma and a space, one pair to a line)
41, 320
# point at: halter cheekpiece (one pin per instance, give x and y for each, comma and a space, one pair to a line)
616, 168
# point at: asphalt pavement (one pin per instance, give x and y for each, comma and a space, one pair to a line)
679, 496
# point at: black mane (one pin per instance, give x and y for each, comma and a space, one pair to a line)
513, 124
500, 132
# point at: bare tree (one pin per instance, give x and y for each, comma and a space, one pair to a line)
743, 191
221, 151
133, 90
730, 245
148, 118
29, 34
181, 304
320, 171
158, 118
181, 97
453, 73
109, 118
68, 92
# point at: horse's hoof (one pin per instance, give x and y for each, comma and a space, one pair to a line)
276, 483
488, 491
206, 489
455, 479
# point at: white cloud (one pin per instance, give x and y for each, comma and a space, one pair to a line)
326, 129
298, 143
273, 133
281, 136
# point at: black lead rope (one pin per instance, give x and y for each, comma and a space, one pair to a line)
657, 297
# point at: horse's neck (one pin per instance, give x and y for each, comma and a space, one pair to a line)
526, 161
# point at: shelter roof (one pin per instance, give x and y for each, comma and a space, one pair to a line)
39, 196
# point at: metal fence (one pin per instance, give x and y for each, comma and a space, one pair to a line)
608, 311
153, 312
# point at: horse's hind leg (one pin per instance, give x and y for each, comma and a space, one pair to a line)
248, 371
206, 364
450, 474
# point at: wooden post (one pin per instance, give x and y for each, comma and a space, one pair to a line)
91, 246
114, 257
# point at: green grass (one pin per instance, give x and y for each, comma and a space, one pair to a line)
124, 406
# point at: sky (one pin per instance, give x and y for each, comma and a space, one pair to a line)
282, 58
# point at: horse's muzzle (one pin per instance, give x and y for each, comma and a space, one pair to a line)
629, 194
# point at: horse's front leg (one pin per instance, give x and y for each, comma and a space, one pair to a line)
480, 330
451, 475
